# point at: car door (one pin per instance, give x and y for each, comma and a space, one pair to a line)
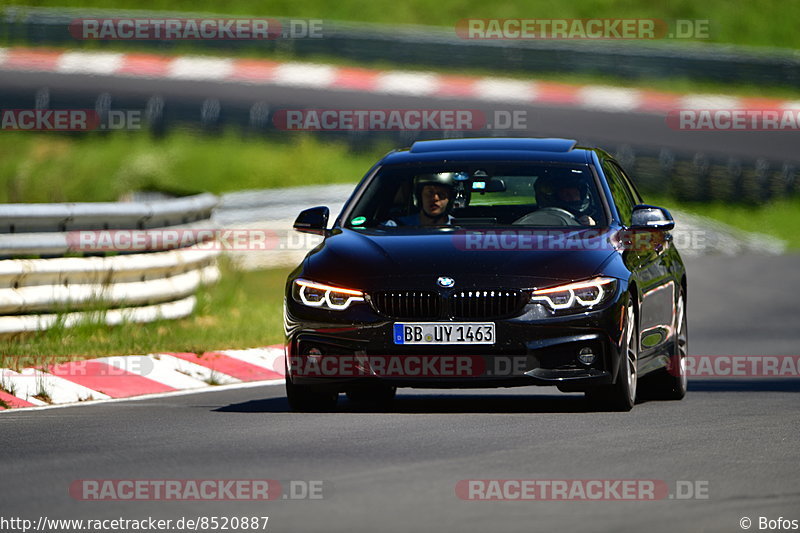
647, 259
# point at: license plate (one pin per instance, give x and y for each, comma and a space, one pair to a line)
444, 333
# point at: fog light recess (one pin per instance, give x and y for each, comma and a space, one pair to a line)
586, 355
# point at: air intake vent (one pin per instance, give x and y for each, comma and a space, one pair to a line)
484, 304
407, 304
469, 304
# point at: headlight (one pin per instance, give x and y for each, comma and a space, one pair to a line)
577, 296
325, 296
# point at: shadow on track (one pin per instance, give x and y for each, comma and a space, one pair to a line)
740, 385
437, 404
495, 404
506, 403
264, 405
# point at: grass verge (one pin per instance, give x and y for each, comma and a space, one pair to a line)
96, 167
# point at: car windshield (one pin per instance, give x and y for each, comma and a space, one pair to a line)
475, 194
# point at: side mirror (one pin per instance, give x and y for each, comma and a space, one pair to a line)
314, 221
650, 217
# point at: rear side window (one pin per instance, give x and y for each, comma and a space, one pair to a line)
620, 191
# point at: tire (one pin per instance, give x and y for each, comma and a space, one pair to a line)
310, 398
671, 383
374, 395
621, 396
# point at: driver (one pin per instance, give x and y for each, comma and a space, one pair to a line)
570, 193
434, 194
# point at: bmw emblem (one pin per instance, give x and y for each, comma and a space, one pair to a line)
445, 282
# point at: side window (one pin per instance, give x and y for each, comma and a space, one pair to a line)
619, 191
629, 183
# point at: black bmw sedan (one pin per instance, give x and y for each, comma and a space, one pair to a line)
488, 263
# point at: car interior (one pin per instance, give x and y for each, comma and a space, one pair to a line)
481, 197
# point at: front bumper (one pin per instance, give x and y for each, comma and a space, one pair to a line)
529, 350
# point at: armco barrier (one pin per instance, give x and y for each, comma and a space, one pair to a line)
20, 218
57, 243
39, 287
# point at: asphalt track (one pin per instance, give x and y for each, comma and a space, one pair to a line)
605, 128
397, 471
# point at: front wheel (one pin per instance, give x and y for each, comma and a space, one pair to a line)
621, 396
310, 398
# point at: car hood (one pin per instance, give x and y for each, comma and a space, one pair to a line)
392, 259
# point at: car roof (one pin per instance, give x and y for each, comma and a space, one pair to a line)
491, 149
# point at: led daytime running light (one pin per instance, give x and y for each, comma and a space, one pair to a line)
354, 296
542, 295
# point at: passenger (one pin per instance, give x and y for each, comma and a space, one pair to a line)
570, 194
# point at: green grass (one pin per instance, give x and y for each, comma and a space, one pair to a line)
779, 218
59, 168
763, 23
243, 310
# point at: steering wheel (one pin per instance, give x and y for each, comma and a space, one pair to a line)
548, 216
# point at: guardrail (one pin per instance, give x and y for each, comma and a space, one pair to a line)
441, 47
40, 288
703, 177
